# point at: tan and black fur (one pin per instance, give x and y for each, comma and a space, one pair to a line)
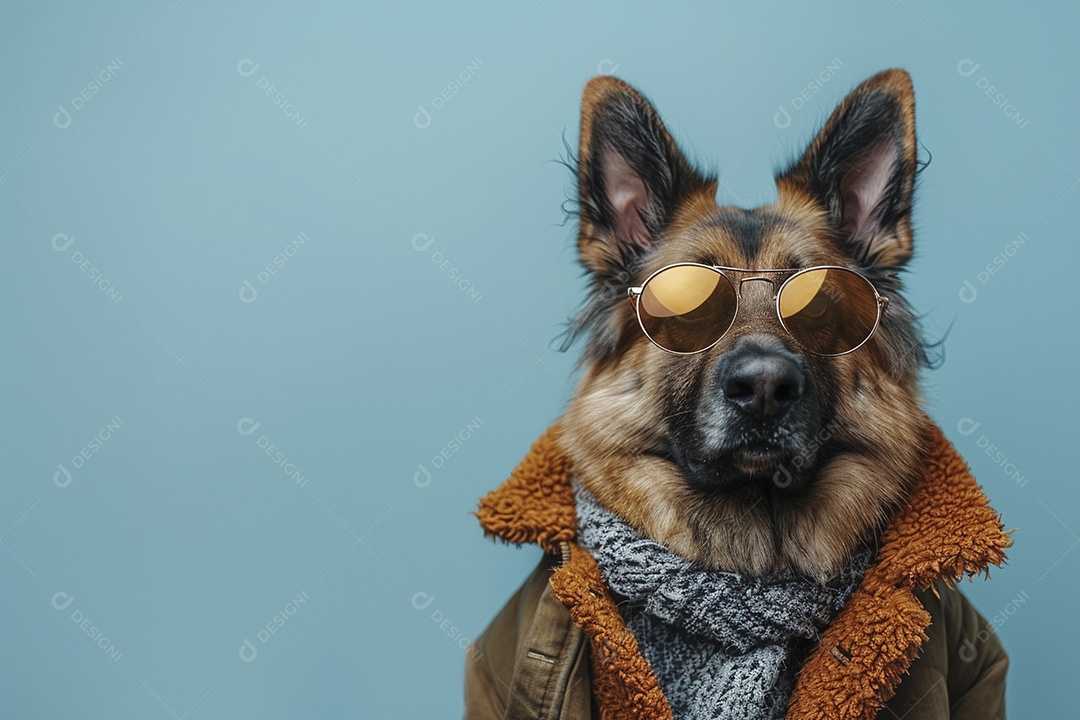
640, 417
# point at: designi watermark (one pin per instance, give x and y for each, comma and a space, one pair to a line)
607, 66
61, 242
970, 650
248, 292
967, 68
782, 477
247, 68
62, 601
422, 601
422, 476
782, 118
421, 242
422, 118
967, 426
62, 476
63, 118
246, 427
968, 292
248, 650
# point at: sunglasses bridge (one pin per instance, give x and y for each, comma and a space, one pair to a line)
777, 279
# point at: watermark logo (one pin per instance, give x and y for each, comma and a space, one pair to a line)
62, 601
248, 650
967, 426
422, 476
967, 68
968, 292
248, 292
782, 118
969, 650
607, 66
421, 242
247, 68
422, 601
63, 117
422, 117
783, 477
62, 476
247, 426
61, 242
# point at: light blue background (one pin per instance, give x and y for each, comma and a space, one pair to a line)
180, 179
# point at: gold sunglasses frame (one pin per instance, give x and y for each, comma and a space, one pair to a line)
771, 276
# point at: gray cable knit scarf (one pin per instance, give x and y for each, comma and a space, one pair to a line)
721, 644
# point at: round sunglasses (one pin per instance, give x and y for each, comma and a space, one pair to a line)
686, 308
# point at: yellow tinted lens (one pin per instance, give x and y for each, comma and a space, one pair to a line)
801, 291
829, 310
679, 290
687, 308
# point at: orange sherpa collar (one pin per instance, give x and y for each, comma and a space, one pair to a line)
945, 530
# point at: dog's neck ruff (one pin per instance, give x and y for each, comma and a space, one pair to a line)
945, 530
722, 645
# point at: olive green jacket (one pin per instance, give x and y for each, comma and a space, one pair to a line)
908, 644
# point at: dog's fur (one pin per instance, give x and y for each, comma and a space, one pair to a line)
650, 432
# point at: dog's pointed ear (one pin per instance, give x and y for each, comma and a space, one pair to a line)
861, 169
631, 177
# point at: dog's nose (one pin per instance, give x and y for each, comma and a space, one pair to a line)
762, 383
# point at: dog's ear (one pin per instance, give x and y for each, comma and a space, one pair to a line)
631, 176
861, 168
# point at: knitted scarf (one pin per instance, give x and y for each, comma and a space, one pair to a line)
722, 645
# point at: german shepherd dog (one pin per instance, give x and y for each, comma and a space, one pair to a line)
778, 444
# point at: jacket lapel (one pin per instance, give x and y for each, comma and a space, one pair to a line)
623, 683
945, 530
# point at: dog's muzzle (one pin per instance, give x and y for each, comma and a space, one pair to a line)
753, 418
